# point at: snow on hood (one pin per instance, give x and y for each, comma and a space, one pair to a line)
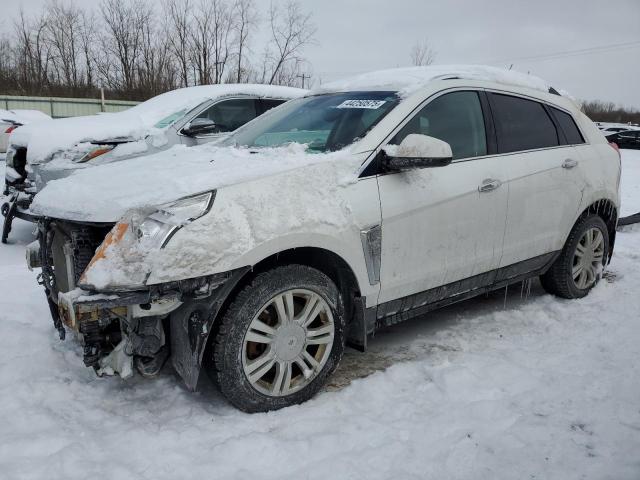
407, 80
106, 192
43, 139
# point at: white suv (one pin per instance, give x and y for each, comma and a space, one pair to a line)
360, 205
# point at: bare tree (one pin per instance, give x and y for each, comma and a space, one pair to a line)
245, 19
121, 41
422, 54
33, 53
87, 46
63, 28
291, 31
135, 50
155, 71
178, 32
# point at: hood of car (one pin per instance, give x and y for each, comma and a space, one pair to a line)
44, 139
105, 193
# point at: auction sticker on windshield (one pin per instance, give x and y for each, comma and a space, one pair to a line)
370, 104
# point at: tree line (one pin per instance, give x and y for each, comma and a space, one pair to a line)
136, 49
599, 111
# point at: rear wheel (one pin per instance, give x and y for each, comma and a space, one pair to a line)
579, 267
280, 339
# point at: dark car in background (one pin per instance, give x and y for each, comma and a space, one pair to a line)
627, 139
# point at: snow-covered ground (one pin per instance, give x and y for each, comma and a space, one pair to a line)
499, 387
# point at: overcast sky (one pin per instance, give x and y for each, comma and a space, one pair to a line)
356, 36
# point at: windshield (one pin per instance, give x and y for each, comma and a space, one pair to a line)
168, 120
323, 122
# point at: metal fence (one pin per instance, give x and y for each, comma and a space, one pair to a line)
58, 107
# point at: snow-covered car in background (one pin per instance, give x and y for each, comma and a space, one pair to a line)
365, 203
42, 152
12, 119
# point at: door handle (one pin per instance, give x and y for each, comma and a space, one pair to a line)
488, 185
569, 163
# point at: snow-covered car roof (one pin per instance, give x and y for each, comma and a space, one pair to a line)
406, 81
164, 104
23, 116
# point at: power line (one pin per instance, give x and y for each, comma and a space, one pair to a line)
572, 53
303, 77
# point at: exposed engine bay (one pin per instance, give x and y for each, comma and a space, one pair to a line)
120, 331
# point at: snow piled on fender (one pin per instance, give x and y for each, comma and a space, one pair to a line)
245, 214
43, 139
115, 188
407, 80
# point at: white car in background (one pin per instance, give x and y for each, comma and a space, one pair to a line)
46, 151
12, 119
367, 202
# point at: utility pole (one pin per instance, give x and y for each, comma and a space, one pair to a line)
304, 76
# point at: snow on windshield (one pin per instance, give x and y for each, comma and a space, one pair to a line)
324, 123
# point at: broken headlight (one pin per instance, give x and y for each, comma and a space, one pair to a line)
139, 233
155, 229
93, 153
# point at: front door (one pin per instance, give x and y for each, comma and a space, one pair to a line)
443, 224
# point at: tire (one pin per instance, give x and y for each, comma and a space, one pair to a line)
561, 279
280, 339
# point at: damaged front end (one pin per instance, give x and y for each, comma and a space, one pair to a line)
125, 329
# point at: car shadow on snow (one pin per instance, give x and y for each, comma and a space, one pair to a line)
421, 337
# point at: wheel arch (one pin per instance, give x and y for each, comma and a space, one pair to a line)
327, 262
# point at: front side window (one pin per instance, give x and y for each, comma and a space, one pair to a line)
521, 124
455, 118
229, 115
324, 123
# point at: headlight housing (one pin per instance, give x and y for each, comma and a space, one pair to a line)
155, 229
125, 249
96, 151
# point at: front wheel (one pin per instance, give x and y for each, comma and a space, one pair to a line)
280, 339
579, 266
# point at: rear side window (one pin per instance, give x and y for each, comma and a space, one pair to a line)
455, 118
568, 126
522, 124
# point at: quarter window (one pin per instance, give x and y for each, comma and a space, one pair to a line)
568, 126
455, 118
522, 124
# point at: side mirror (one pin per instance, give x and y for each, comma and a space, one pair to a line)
417, 151
200, 126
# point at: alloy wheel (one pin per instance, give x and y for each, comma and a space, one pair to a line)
588, 259
288, 342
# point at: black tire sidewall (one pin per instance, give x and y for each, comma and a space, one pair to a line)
228, 349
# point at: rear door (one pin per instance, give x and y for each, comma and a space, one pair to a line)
543, 175
444, 224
